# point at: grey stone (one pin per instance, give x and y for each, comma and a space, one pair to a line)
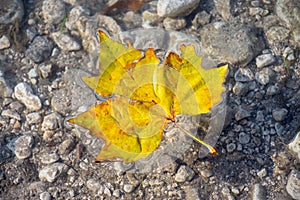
54, 11
260, 116
184, 173
265, 60
65, 42
117, 193
279, 114
259, 192
66, 146
33, 118
45, 70
50, 173
132, 20
272, 90
5, 154
233, 43
150, 19
51, 122
11, 11
241, 114
176, 8
264, 76
94, 185
279, 128
40, 49
293, 184
244, 138
206, 173
49, 158
288, 12
128, 188
33, 73
230, 147
5, 90
45, 196
243, 75
224, 8
201, 19
74, 16
240, 89
23, 146
174, 24
295, 145
11, 114
4, 42
191, 193
23, 93
277, 33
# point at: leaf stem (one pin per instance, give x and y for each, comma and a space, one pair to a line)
211, 149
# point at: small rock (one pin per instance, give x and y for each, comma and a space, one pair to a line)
293, 184
192, 193
260, 116
11, 12
51, 172
243, 75
265, 60
277, 33
23, 146
174, 24
264, 76
150, 18
5, 90
272, 90
206, 173
295, 145
184, 173
279, 114
33, 73
224, 8
65, 42
241, 114
288, 54
117, 193
107, 191
4, 42
94, 185
128, 188
259, 192
132, 20
74, 16
54, 11
40, 49
66, 146
230, 147
45, 70
45, 196
176, 8
11, 114
49, 158
240, 89
23, 93
279, 128
244, 138
253, 11
33, 118
201, 18
262, 173
51, 122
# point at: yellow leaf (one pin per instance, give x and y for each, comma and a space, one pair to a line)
148, 95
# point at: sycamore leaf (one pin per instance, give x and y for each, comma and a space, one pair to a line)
146, 96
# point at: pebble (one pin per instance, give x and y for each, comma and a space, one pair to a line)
33, 73
253, 11
66, 146
5, 90
295, 145
45, 70
240, 89
191, 193
23, 146
174, 24
272, 90
11, 114
184, 173
74, 16
49, 158
51, 172
231, 42
95, 186
277, 33
279, 114
33, 118
241, 114
4, 42
244, 138
264, 76
128, 188
202, 18
288, 12
279, 128
206, 173
54, 11
230, 147
265, 60
65, 41
262, 173
40, 49
117, 193
132, 20
293, 184
224, 8
260, 116
12, 11
45, 196
288, 53
51, 122
24, 94
243, 75
259, 192
176, 8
